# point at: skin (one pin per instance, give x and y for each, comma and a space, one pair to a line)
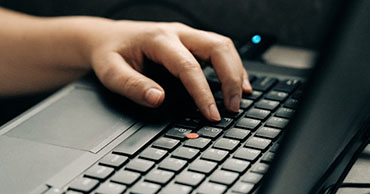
39, 54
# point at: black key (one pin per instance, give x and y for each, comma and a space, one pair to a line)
223, 123
190, 178
268, 157
218, 95
260, 168
277, 122
125, 177
176, 188
99, 172
247, 154
277, 96
252, 78
297, 94
267, 104
189, 123
268, 132
236, 165
210, 132
166, 143
287, 85
113, 160
254, 96
199, 143
237, 133
245, 104
153, 154
251, 177
172, 164
139, 139
111, 188
226, 144
215, 155
291, 103
83, 184
256, 113
224, 177
161, 177
228, 114
185, 153
264, 83
248, 123
211, 188
145, 187
274, 147
140, 165
202, 166
285, 112
178, 132
241, 187
258, 143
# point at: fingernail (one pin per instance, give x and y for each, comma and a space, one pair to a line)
247, 86
152, 96
213, 112
235, 103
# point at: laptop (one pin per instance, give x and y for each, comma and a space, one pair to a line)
294, 134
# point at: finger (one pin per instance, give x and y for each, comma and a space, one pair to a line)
247, 88
120, 77
225, 60
169, 51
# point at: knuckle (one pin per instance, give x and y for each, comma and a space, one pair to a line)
178, 25
187, 66
130, 83
223, 43
234, 80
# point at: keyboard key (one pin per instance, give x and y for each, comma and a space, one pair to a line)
297, 94
258, 143
291, 103
268, 157
285, 112
125, 177
224, 177
254, 96
210, 132
145, 187
218, 95
245, 104
237, 133
161, 177
228, 114
172, 164
176, 188
251, 177
264, 83
256, 113
268, 132
215, 155
99, 172
260, 168
140, 165
211, 188
153, 154
190, 178
113, 160
223, 123
247, 154
267, 104
178, 132
111, 188
248, 123
202, 166
241, 187
166, 143
83, 184
287, 85
199, 143
185, 153
275, 95
226, 144
235, 165
277, 122
189, 123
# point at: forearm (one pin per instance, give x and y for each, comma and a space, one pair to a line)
38, 54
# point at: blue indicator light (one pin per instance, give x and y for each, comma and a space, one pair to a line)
256, 39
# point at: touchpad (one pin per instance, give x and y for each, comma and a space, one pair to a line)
80, 119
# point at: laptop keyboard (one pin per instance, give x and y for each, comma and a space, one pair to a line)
195, 156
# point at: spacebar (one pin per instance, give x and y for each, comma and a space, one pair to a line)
139, 139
